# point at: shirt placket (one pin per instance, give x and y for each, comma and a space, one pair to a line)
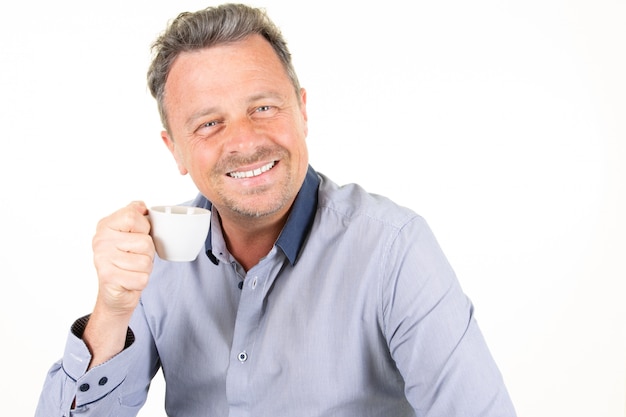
249, 315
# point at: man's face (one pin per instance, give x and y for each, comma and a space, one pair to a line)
238, 127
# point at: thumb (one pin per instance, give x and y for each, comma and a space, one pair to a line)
140, 206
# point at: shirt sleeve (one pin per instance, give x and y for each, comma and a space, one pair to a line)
433, 335
116, 387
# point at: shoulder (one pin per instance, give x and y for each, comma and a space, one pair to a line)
352, 202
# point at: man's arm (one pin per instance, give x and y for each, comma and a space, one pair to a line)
99, 350
433, 335
118, 387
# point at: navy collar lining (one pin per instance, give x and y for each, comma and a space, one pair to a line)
298, 224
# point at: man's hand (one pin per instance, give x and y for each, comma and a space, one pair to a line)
123, 255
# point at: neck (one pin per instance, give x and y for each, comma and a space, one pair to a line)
249, 240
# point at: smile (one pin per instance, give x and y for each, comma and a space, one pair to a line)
253, 173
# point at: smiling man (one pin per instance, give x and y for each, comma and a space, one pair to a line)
237, 125
310, 299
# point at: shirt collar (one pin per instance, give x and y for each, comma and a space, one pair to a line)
298, 224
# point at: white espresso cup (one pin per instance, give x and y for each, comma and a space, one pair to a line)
179, 232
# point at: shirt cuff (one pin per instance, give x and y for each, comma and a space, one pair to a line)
101, 380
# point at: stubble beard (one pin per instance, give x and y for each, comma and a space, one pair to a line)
262, 201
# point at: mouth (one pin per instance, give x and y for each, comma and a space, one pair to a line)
252, 173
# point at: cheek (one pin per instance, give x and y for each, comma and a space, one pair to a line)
304, 157
199, 159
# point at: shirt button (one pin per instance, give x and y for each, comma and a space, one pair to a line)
84, 387
254, 282
243, 356
103, 380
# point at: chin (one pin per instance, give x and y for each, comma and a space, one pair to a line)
256, 209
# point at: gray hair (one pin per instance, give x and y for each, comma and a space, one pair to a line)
210, 27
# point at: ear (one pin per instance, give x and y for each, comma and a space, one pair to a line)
171, 145
303, 103
303, 110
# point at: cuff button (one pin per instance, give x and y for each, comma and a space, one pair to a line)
103, 380
84, 387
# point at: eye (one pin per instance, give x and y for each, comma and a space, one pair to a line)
265, 111
207, 127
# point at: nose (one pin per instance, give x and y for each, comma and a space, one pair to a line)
243, 136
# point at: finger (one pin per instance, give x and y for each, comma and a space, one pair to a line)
134, 243
132, 271
124, 270
107, 241
127, 219
140, 206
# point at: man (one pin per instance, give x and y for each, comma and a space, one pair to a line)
311, 299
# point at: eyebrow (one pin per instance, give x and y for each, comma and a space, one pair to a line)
265, 94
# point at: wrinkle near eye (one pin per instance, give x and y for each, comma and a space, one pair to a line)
207, 127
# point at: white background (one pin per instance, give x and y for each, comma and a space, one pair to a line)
501, 122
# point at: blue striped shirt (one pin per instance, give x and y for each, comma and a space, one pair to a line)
355, 312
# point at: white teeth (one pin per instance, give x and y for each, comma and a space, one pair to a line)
253, 173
